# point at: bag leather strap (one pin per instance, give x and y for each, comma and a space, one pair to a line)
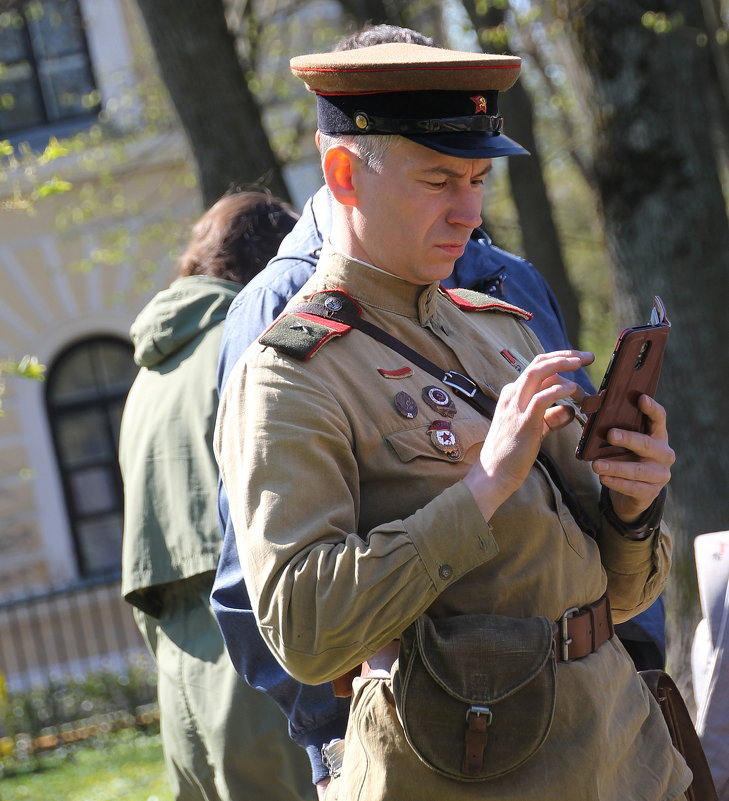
683, 734
477, 735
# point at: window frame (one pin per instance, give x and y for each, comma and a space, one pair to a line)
109, 401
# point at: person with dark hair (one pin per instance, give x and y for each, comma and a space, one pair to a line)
234, 239
411, 520
222, 740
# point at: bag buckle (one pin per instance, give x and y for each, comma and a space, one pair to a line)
460, 383
480, 711
564, 631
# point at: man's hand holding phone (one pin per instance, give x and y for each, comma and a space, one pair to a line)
625, 436
636, 483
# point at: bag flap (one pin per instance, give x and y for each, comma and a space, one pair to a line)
481, 659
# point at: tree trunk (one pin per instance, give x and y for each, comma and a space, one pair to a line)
666, 226
200, 67
539, 233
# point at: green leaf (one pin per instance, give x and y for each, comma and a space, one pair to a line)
54, 150
54, 186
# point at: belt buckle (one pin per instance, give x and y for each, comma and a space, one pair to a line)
564, 631
332, 755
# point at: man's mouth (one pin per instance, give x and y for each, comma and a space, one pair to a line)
453, 248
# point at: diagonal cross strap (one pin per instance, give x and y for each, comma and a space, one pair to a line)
462, 384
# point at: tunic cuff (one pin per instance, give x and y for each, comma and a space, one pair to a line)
642, 528
622, 555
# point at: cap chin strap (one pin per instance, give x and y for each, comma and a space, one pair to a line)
367, 123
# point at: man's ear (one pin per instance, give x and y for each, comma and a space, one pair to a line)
339, 166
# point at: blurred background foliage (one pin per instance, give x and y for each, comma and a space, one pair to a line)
47, 725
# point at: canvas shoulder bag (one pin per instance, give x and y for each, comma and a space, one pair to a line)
475, 693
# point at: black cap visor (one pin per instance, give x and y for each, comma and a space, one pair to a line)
471, 145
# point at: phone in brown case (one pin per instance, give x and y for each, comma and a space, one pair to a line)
634, 370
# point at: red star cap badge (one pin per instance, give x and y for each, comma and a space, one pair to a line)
480, 102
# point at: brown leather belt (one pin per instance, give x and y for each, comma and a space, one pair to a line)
580, 631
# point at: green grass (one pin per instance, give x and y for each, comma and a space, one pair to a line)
124, 766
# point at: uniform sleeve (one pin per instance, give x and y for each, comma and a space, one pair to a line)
287, 460
637, 571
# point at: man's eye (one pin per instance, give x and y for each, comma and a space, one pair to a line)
437, 184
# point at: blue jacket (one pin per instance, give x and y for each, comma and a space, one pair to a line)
315, 715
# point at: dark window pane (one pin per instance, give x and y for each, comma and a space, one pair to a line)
13, 38
67, 87
82, 438
45, 71
55, 28
21, 105
115, 415
116, 369
76, 381
94, 491
100, 543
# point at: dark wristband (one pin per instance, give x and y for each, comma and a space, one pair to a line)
641, 529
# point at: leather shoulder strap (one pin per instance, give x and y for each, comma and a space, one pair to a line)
683, 734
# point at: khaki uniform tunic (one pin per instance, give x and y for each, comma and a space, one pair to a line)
351, 523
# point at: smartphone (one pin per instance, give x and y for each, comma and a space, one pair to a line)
634, 370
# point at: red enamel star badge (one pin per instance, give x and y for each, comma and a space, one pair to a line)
480, 102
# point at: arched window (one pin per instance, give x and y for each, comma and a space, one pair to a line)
85, 393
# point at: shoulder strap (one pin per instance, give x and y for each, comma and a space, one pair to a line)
683, 734
466, 388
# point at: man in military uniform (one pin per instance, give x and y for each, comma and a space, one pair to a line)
384, 459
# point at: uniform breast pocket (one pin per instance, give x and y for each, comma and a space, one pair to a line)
452, 441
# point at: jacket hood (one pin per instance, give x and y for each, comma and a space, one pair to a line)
178, 314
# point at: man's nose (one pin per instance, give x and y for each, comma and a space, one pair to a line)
466, 210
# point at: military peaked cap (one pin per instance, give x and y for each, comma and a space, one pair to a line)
446, 100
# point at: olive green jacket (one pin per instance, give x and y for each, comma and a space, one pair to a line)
171, 529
